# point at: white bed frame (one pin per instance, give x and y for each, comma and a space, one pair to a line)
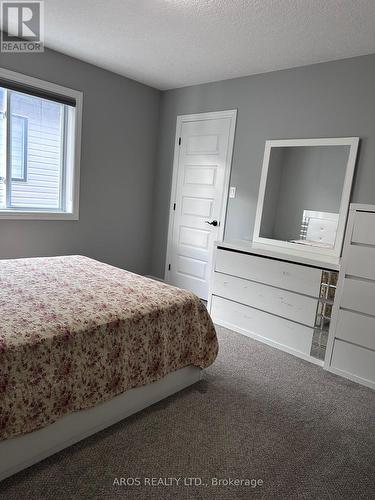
23, 451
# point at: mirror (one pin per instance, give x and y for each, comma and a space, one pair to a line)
304, 193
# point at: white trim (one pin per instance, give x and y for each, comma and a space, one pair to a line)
232, 114
271, 343
63, 91
23, 451
345, 198
351, 376
155, 278
31, 215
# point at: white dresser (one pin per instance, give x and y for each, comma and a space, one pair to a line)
280, 298
351, 344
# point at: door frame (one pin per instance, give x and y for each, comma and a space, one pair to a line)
181, 119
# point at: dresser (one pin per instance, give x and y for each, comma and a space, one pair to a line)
277, 297
351, 343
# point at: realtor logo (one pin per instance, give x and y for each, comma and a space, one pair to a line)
22, 26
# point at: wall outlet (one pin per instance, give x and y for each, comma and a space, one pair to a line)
232, 192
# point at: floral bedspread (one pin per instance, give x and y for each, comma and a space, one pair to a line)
75, 332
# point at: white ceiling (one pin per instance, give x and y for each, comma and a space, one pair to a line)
174, 43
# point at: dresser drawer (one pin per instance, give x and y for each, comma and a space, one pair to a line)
356, 328
359, 296
267, 298
353, 360
364, 228
361, 261
286, 275
261, 324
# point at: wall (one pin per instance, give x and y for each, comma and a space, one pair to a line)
324, 100
120, 119
272, 192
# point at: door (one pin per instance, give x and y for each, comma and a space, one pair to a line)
202, 161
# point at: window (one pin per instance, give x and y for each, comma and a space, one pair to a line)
39, 149
18, 144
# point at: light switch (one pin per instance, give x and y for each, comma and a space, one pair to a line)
232, 192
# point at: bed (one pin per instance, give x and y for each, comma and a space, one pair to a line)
83, 345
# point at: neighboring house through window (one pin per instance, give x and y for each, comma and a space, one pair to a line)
39, 148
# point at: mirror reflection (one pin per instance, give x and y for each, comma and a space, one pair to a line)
303, 194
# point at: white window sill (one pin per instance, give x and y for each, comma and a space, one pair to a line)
35, 215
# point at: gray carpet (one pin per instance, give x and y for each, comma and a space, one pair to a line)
258, 414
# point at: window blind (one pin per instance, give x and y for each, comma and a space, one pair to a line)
37, 92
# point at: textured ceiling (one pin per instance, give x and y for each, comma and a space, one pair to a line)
174, 43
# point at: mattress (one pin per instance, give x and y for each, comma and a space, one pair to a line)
75, 332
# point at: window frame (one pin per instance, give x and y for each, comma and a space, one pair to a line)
75, 131
25, 126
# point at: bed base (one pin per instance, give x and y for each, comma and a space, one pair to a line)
23, 451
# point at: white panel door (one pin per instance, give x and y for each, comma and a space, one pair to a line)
201, 175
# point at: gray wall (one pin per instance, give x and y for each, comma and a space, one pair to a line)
323, 100
272, 192
120, 119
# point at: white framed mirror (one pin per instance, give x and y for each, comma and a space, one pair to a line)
304, 194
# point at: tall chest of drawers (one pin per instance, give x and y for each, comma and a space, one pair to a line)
351, 344
282, 300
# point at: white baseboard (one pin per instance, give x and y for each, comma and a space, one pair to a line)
269, 342
352, 377
154, 278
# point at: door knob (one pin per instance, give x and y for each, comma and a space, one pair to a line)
212, 223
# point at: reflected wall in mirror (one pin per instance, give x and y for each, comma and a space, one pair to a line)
304, 193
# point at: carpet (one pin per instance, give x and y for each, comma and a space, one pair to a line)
261, 424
